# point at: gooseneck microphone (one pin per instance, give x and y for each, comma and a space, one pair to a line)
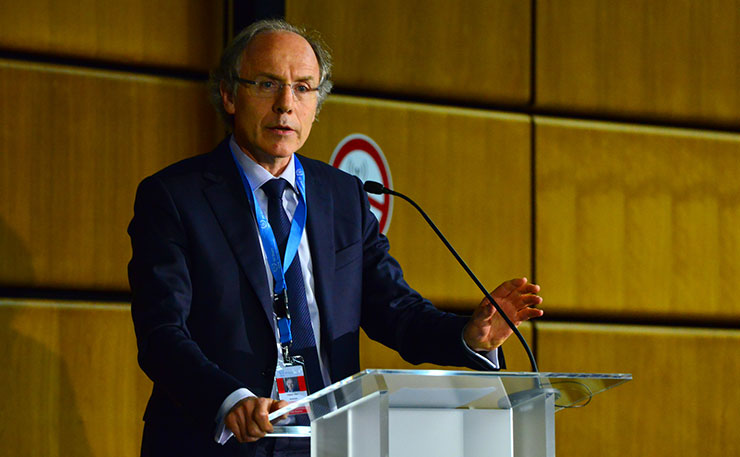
373, 187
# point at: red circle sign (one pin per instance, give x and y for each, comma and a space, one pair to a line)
359, 155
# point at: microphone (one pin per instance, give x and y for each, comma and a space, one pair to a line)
373, 187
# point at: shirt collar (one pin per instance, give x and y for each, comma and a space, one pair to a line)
256, 175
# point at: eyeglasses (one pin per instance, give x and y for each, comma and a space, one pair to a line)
266, 87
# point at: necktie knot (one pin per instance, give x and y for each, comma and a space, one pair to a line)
274, 188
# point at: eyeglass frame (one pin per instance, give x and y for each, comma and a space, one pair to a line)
279, 88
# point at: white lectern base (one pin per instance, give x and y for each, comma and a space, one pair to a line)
445, 433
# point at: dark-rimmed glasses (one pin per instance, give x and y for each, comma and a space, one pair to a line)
267, 87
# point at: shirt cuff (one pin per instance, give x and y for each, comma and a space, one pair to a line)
489, 359
223, 434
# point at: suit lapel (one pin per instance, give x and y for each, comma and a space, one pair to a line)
225, 193
320, 232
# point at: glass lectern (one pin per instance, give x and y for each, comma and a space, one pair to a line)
430, 413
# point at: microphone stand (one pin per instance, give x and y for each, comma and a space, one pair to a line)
377, 188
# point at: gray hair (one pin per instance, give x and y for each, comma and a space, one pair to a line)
231, 59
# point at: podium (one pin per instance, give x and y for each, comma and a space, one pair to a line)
430, 413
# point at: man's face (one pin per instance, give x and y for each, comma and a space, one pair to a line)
273, 128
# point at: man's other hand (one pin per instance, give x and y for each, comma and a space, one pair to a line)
247, 420
486, 330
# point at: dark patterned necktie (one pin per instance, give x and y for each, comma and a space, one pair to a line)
304, 343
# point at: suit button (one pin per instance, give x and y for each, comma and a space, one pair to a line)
264, 373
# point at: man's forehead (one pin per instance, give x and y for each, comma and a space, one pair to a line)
272, 49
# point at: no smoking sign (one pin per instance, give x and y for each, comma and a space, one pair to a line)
359, 155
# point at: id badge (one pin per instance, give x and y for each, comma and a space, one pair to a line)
291, 385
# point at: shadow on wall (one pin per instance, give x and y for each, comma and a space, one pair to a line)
39, 414
16, 266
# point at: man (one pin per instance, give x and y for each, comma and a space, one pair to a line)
291, 385
227, 244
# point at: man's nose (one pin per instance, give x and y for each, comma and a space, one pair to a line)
284, 100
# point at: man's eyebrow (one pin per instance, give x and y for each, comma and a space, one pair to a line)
281, 79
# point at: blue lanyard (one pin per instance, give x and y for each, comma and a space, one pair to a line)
278, 266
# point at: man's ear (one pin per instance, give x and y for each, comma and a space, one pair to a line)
227, 99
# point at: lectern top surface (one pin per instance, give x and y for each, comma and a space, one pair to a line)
457, 389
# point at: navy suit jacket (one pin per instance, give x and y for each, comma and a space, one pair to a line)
201, 304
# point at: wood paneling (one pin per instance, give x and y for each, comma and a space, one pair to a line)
70, 382
375, 355
659, 58
163, 33
75, 145
476, 50
682, 400
636, 220
469, 170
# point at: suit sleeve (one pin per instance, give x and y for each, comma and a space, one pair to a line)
399, 317
161, 303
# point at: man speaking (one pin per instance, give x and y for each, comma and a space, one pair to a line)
252, 265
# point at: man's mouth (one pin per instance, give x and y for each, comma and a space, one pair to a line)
281, 129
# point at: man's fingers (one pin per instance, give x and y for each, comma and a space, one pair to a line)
530, 289
277, 405
249, 421
259, 423
236, 421
529, 313
486, 310
530, 300
232, 424
507, 287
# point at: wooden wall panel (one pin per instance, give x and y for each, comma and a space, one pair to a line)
470, 171
175, 33
682, 400
70, 381
375, 355
75, 145
636, 220
658, 59
475, 50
